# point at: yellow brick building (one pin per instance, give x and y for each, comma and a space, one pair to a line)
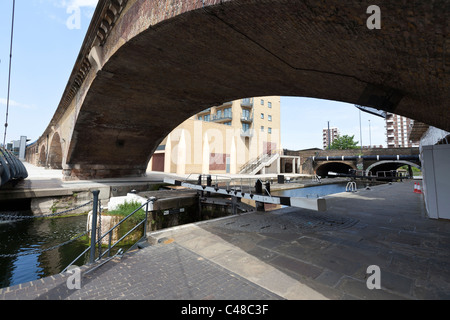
224, 139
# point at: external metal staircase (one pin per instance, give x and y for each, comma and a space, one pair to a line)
255, 165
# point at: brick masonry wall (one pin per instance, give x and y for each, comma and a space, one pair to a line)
308, 167
166, 60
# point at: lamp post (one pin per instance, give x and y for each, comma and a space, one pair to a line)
370, 136
360, 130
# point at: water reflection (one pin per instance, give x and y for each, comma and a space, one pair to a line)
23, 238
315, 191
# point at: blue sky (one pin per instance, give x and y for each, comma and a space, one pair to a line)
44, 53
302, 121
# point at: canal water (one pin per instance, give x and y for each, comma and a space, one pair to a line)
23, 244
27, 240
315, 191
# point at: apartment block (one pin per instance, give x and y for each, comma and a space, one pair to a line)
222, 139
329, 135
398, 129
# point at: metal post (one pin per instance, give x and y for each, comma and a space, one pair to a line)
360, 130
209, 184
146, 219
234, 205
259, 190
199, 182
94, 226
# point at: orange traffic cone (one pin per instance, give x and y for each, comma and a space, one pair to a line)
415, 187
419, 189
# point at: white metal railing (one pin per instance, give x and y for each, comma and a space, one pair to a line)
255, 163
247, 133
351, 187
247, 102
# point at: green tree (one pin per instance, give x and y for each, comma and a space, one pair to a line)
344, 142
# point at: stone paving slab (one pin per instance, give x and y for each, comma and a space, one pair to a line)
388, 228
161, 272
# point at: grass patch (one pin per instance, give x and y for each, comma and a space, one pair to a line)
123, 210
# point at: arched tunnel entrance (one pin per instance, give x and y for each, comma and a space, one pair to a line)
337, 167
379, 168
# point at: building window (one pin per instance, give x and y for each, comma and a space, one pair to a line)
262, 128
262, 115
269, 104
270, 130
262, 102
245, 127
200, 118
270, 117
227, 113
207, 117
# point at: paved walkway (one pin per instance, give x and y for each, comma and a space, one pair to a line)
284, 254
40, 178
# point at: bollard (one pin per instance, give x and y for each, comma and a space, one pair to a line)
209, 184
259, 190
94, 226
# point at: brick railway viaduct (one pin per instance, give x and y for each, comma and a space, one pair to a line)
376, 159
145, 66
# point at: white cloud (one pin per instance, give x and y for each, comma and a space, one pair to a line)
78, 3
13, 103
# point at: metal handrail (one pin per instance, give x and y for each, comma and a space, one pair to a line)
227, 116
98, 242
109, 232
254, 163
247, 102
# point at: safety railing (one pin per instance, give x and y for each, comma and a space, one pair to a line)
255, 163
97, 238
246, 185
95, 248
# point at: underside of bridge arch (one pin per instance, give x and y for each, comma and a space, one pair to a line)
388, 166
42, 157
242, 48
55, 153
338, 167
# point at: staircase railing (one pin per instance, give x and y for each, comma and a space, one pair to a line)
255, 163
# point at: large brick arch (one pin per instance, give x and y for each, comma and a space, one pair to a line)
334, 166
55, 152
166, 60
389, 165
